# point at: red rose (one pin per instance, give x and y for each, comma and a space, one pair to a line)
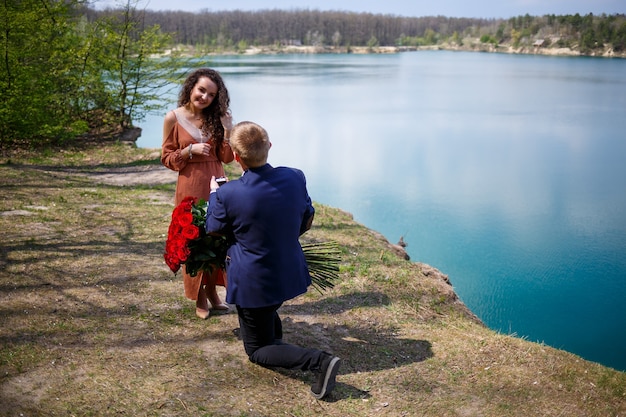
174, 229
185, 219
185, 205
178, 241
191, 232
182, 253
171, 262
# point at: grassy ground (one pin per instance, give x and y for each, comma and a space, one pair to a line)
94, 324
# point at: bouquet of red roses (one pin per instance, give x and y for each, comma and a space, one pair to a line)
187, 242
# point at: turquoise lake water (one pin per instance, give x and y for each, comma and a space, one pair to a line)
506, 172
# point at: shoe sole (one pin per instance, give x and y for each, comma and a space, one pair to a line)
329, 379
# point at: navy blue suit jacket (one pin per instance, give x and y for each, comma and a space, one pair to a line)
266, 211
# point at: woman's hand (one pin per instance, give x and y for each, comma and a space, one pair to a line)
227, 121
201, 148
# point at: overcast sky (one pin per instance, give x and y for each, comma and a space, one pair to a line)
417, 8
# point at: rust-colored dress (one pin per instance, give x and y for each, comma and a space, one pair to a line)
194, 178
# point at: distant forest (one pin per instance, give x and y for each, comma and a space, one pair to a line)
237, 30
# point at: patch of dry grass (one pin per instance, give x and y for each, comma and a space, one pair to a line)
93, 322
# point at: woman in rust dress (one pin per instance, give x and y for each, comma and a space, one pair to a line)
195, 143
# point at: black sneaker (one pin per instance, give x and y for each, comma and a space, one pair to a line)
326, 377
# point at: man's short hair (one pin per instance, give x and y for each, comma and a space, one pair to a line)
251, 142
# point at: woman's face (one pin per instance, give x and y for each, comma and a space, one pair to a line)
203, 93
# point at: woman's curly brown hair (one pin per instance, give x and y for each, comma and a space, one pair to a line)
212, 124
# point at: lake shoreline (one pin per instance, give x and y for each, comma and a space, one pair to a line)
473, 45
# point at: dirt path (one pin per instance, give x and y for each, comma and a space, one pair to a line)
136, 175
